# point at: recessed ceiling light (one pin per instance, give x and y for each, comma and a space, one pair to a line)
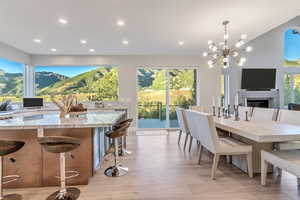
125, 42
53, 49
181, 43
92, 50
37, 41
120, 23
83, 41
63, 21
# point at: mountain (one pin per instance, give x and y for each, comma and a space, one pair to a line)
44, 79
11, 84
83, 83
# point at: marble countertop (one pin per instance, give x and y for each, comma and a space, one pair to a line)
50, 119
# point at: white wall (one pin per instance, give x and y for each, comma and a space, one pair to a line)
13, 54
268, 52
209, 78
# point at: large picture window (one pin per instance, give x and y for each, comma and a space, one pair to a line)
291, 88
11, 80
88, 83
292, 47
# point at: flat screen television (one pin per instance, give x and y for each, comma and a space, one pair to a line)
258, 79
33, 102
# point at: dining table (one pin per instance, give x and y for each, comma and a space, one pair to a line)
262, 135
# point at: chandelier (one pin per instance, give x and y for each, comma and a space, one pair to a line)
222, 52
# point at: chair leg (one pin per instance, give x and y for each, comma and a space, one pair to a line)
264, 170
179, 137
191, 142
200, 153
215, 166
185, 141
250, 165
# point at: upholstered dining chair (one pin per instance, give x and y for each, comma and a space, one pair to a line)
202, 127
289, 117
183, 128
205, 109
264, 114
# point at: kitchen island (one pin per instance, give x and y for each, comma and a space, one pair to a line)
36, 166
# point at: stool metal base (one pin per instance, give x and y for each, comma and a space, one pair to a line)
114, 171
12, 197
72, 194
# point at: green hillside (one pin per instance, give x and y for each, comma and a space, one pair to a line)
102, 81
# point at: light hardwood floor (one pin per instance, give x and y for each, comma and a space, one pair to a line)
160, 170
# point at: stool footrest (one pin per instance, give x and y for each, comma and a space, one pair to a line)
11, 177
73, 174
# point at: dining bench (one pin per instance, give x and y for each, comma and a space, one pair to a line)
287, 160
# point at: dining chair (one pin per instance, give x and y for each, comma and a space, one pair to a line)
205, 109
264, 114
183, 128
289, 117
202, 127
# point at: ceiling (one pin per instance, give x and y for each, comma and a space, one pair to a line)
152, 26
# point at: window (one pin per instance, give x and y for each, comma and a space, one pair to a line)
291, 88
88, 83
160, 91
292, 47
11, 80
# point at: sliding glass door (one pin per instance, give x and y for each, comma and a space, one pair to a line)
160, 91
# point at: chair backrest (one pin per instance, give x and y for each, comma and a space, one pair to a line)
205, 109
264, 114
202, 127
242, 112
289, 117
182, 120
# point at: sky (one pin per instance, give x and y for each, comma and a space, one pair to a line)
291, 46
10, 66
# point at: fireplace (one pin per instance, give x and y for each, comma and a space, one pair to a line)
265, 99
263, 103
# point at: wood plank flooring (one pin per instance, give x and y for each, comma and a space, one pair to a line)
161, 170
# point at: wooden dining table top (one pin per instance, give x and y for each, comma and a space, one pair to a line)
260, 131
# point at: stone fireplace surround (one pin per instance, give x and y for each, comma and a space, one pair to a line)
259, 98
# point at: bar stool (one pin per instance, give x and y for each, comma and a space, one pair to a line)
123, 151
8, 147
116, 170
61, 145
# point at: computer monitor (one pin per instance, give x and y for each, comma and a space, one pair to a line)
33, 102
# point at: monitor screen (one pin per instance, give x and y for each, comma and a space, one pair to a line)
258, 79
33, 102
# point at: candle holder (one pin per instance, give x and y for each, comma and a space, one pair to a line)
228, 111
246, 115
236, 113
214, 110
219, 112
224, 112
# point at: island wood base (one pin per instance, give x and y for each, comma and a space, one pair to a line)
38, 168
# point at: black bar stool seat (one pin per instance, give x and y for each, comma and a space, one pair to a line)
8, 147
61, 145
